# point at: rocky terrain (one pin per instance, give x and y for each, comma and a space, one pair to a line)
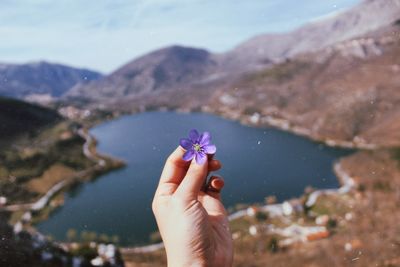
348, 92
261, 50
42, 79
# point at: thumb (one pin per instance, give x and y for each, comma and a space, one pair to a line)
193, 181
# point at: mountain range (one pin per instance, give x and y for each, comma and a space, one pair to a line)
335, 78
41, 78
176, 67
348, 91
368, 16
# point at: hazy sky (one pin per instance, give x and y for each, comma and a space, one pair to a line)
104, 34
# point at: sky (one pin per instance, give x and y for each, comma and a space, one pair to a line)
104, 34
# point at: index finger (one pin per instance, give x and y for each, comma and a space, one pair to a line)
174, 170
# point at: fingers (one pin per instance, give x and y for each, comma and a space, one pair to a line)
175, 169
211, 198
214, 186
193, 181
214, 165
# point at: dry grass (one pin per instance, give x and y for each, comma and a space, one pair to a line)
56, 173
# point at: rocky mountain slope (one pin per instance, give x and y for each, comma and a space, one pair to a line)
189, 70
42, 78
348, 92
261, 50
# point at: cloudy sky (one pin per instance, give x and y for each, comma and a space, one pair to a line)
104, 34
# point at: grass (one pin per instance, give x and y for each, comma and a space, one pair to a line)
43, 214
326, 205
382, 186
67, 152
31, 165
56, 173
280, 73
241, 224
15, 217
396, 155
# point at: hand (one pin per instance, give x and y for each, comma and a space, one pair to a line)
193, 224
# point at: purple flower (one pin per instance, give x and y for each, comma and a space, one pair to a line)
197, 146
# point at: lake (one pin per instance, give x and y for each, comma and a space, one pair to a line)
257, 162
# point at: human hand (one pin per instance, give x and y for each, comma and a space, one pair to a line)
193, 224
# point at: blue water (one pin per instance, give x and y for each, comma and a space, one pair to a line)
256, 163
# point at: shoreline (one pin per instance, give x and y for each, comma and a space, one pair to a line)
262, 120
90, 173
274, 210
347, 183
258, 120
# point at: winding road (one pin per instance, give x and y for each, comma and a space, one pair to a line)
42, 202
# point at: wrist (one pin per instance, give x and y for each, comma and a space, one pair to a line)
185, 263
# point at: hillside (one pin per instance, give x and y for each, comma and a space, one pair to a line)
164, 69
39, 148
347, 92
42, 78
17, 117
261, 50
188, 70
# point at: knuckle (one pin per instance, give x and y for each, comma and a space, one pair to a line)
174, 161
196, 168
171, 159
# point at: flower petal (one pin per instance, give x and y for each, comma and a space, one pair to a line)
201, 158
194, 135
186, 143
210, 149
188, 156
205, 138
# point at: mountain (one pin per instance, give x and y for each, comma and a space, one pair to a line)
17, 117
42, 78
261, 50
164, 69
347, 92
154, 76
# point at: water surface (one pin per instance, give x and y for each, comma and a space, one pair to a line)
256, 163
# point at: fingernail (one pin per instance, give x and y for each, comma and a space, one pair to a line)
217, 183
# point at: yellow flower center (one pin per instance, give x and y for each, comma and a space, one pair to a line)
197, 147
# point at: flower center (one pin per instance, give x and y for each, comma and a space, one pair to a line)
197, 147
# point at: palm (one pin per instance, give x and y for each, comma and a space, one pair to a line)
219, 229
209, 235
